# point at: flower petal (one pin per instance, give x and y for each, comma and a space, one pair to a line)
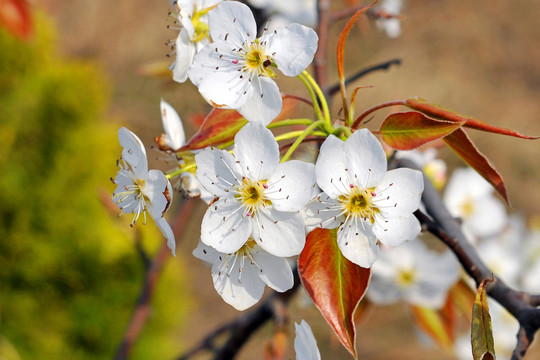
274, 271
399, 192
294, 47
158, 190
305, 344
323, 211
365, 158
265, 104
185, 53
257, 151
394, 231
280, 234
232, 22
206, 253
224, 226
217, 171
166, 229
239, 288
330, 168
357, 244
133, 151
175, 137
291, 185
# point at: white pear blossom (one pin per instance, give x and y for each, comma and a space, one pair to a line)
390, 21
365, 202
175, 136
258, 196
193, 35
471, 198
140, 191
435, 169
283, 12
235, 71
305, 344
240, 277
412, 273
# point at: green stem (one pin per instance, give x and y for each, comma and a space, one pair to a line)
322, 99
343, 130
181, 170
288, 122
309, 88
309, 131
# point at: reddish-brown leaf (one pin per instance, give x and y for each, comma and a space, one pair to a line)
441, 112
483, 347
462, 296
221, 125
15, 15
436, 324
335, 284
463, 146
276, 347
409, 130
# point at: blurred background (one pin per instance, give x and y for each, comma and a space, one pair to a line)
70, 271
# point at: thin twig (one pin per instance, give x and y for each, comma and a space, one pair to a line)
143, 306
323, 30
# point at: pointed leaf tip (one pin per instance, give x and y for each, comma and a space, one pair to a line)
335, 284
483, 347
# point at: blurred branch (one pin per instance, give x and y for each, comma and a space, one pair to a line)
383, 66
143, 306
241, 328
441, 224
323, 30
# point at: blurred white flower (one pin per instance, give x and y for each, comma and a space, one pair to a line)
283, 12
470, 197
305, 344
414, 274
389, 21
435, 169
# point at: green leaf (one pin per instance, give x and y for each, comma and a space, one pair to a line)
335, 284
440, 112
483, 347
463, 146
409, 130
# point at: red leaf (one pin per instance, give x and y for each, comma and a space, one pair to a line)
335, 284
441, 112
463, 146
409, 130
434, 324
221, 125
16, 17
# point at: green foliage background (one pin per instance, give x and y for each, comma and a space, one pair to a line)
69, 274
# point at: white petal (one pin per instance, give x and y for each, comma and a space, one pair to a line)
399, 192
240, 289
257, 151
217, 171
158, 190
274, 271
224, 227
206, 253
383, 290
265, 104
357, 244
133, 151
185, 53
305, 344
394, 231
489, 217
280, 234
291, 185
186, 8
175, 137
332, 177
294, 47
323, 211
233, 21
365, 158
166, 229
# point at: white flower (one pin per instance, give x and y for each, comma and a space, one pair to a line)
193, 36
240, 277
471, 198
413, 273
390, 22
367, 203
284, 12
235, 71
258, 196
305, 344
139, 190
435, 169
175, 136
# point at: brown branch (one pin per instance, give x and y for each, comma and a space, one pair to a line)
241, 328
363, 115
323, 30
143, 305
441, 224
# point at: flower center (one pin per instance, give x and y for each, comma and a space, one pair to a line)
406, 278
201, 28
251, 195
359, 203
256, 61
246, 249
468, 208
